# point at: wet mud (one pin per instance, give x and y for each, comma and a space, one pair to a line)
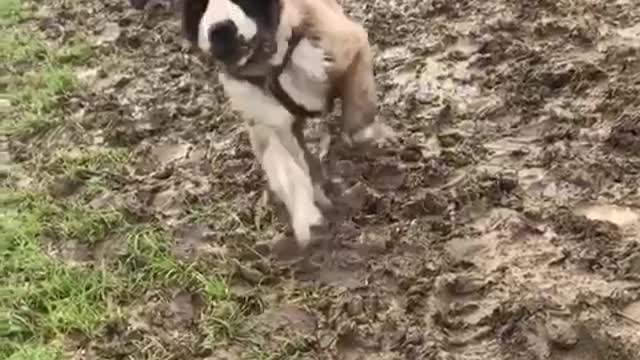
503, 225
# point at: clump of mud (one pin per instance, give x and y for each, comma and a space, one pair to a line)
625, 134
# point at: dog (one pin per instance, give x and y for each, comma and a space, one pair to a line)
283, 62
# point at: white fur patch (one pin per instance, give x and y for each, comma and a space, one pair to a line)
293, 186
219, 11
305, 77
278, 152
254, 104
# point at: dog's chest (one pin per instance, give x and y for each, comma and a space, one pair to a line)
304, 79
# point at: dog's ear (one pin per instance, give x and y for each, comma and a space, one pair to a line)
274, 11
270, 25
191, 13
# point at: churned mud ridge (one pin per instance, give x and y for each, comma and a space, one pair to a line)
504, 225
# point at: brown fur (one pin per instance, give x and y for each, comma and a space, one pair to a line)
347, 43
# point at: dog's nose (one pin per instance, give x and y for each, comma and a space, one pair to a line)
223, 39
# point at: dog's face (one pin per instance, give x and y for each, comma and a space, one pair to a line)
232, 31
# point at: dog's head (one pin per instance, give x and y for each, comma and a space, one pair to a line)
232, 31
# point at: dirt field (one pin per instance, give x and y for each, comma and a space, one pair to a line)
504, 227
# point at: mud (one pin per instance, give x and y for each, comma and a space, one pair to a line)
504, 225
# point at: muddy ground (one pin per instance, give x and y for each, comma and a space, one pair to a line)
504, 226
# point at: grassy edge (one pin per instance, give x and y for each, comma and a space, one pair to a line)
46, 298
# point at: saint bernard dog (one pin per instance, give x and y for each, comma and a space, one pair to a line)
284, 61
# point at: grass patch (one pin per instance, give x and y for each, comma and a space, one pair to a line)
18, 49
37, 352
89, 160
37, 93
41, 297
44, 298
36, 76
291, 350
34, 99
148, 260
47, 296
98, 169
10, 12
89, 228
89, 163
77, 53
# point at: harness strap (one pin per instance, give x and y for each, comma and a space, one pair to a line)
271, 82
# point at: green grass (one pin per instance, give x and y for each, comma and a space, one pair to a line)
35, 97
41, 297
44, 298
35, 76
10, 12
18, 49
89, 160
49, 298
77, 224
36, 352
99, 168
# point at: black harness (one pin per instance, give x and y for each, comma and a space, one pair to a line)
271, 83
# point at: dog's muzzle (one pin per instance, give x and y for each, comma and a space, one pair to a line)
226, 44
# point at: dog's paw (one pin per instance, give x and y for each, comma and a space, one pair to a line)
320, 233
376, 133
309, 227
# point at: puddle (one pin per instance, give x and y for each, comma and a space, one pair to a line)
619, 215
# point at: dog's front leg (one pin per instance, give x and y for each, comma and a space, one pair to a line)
314, 165
288, 176
358, 94
280, 154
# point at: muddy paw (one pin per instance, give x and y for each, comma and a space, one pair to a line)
376, 133
285, 248
282, 248
304, 220
320, 234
